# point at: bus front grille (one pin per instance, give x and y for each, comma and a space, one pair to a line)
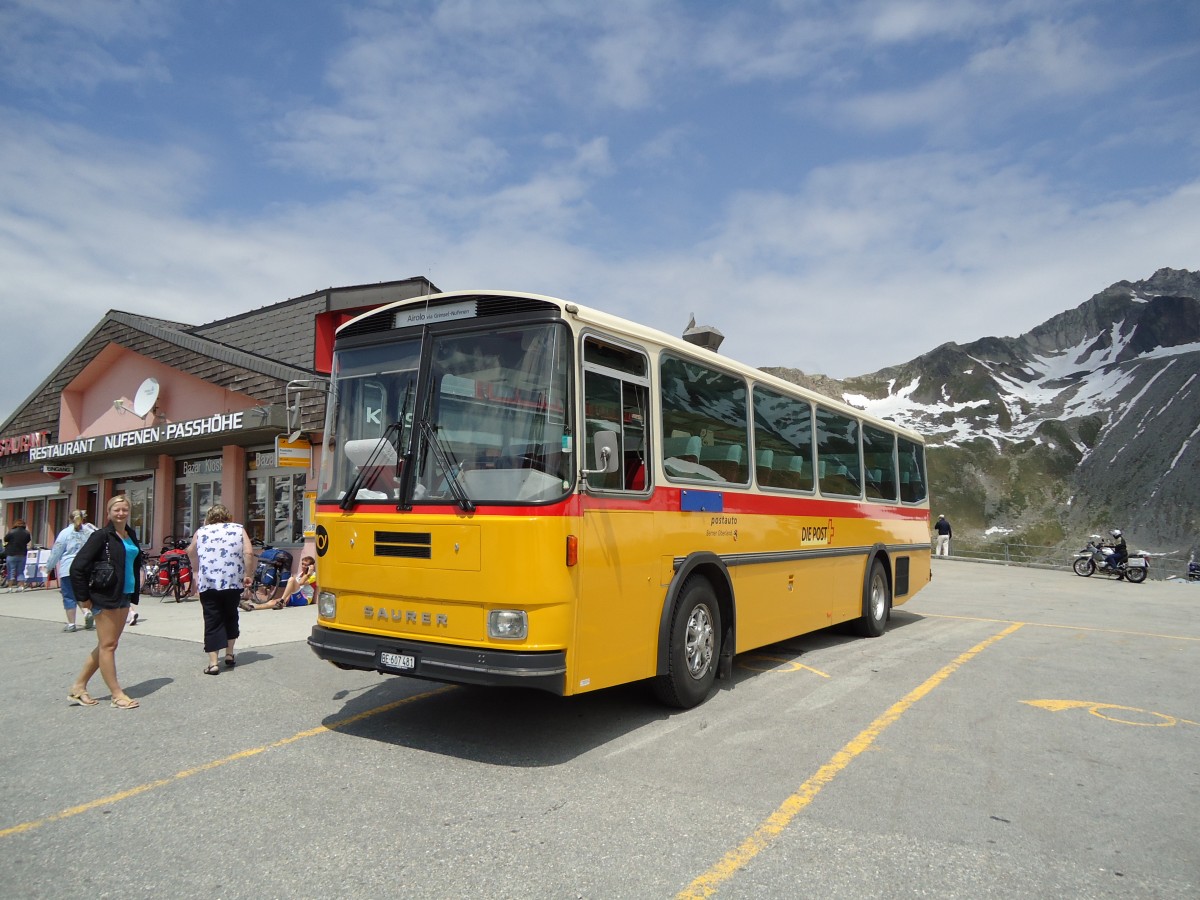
406, 544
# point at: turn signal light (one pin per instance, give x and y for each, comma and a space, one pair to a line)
572, 550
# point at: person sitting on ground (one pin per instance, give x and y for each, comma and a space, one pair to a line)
300, 589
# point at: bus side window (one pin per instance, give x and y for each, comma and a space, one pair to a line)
879, 452
912, 471
840, 471
616, 398
704, 423
783, 429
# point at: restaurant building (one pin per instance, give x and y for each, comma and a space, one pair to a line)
177, 417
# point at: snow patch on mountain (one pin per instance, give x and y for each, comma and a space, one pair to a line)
1085, 379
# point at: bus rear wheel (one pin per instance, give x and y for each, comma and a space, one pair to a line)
877, 599
694, 647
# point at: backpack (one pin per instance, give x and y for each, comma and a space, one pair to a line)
274, 566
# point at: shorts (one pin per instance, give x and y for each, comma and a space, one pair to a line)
297, 599
68, 592
122, 602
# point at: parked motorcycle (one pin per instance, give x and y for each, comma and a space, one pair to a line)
1193, 571
1096, 557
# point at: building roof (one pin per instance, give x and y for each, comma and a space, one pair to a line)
254, 353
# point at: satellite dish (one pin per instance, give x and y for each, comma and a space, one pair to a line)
146, 397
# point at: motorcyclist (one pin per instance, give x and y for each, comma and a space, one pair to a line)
1120, 554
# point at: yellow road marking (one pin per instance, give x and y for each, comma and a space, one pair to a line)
1152, 634
1164, 720
216, 763
791, 664
706, 884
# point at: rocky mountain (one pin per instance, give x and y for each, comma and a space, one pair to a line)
1089, 421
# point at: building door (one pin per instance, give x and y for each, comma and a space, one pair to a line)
197, 488
140, 491
91, 504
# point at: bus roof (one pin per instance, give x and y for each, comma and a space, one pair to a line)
627, 328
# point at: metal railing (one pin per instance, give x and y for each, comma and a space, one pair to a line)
1037, 556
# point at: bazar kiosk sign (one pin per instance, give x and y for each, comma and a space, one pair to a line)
140, 437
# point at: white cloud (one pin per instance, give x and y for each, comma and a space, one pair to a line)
647, 158
56, 45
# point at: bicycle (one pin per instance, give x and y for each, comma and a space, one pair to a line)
270, 573
150, 579
171, 574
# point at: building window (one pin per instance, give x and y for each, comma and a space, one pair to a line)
197, 488
274, 500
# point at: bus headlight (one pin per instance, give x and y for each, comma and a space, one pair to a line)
327, 605
508, 624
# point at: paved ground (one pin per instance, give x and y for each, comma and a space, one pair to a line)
168, 619
1016, 733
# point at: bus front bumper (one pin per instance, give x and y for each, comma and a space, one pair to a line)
437, 662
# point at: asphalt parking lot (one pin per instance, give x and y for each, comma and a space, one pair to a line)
1015, 733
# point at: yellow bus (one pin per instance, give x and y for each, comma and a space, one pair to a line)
519, 490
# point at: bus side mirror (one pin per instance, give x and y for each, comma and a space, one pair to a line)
607, 455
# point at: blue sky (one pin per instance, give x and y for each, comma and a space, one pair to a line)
838, 187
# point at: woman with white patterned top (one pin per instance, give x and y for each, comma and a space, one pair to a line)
221, 556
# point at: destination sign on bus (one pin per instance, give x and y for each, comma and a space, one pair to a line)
420, 315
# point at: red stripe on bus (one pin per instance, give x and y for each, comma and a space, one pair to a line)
667, 499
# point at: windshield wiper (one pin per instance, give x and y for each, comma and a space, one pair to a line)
450, 468
360, 479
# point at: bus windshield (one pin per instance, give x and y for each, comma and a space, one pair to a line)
368, 421
493, 424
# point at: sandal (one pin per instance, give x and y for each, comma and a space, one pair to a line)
83, 698
230, 661
125, 702
211, 670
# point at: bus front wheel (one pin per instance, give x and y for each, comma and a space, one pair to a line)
694, 647
876, 600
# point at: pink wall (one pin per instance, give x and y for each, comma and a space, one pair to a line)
86, 407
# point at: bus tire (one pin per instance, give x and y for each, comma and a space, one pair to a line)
694, 649
877, 599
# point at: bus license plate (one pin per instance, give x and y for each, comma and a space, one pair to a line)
400, 662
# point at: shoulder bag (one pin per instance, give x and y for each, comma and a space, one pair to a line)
104, 574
